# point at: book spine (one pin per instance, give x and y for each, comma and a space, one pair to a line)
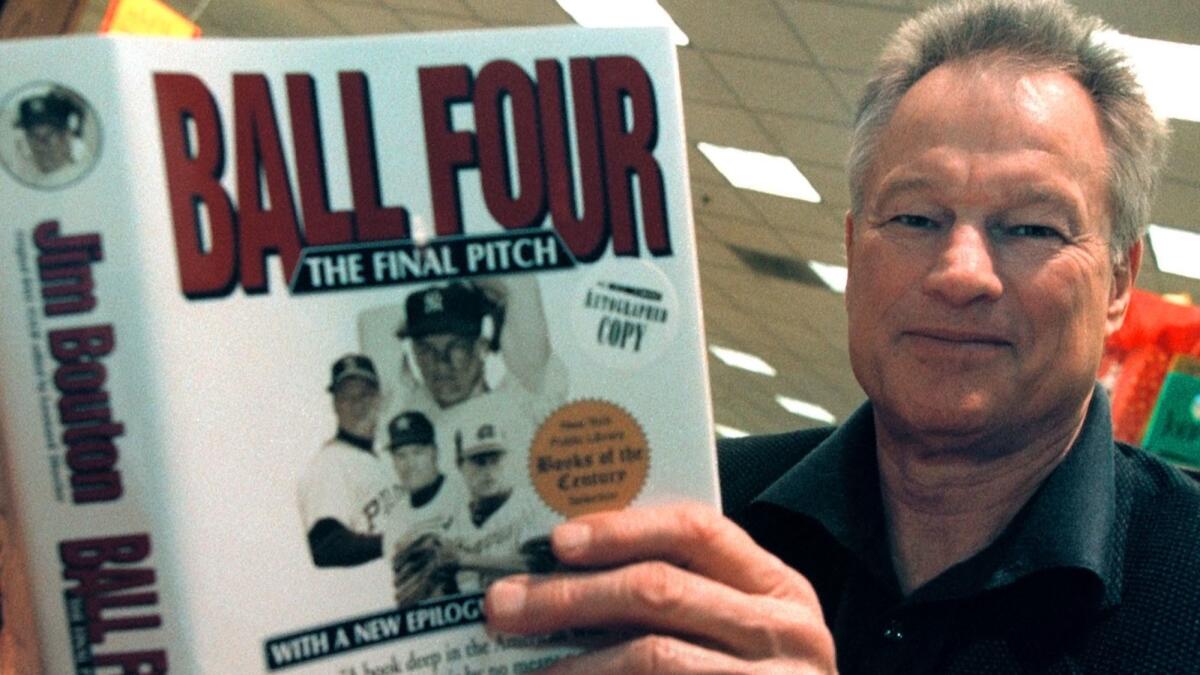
75, 410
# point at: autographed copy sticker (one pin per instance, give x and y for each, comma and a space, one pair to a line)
625, 314
589, 455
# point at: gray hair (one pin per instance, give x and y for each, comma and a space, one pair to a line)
1035, 34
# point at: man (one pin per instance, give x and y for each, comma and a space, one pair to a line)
451, 331
485, 536
496, 520
423, 565
975, 515
51, 123
347, 493
432, 498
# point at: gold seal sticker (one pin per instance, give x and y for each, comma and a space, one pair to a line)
589, 456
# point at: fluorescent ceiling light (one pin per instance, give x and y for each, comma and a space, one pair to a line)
759, 171
1176, 251
750, 362
806, 409
622, 13
1167, 71
729, 432
834, 276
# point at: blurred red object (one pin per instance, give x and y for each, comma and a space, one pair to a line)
1136, 358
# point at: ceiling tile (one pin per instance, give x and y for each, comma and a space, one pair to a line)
779, 87
518, 12
747, 234
266, 18
806, 139
1184, 162
1177, 20
700, 170
443, 7
700, 82
849, 87
746, 27
810, 242
359, 19
1176, 205
830, 184
779, 213
725, 125
719, 199
714, 254
422, 21
843, 36
889, 4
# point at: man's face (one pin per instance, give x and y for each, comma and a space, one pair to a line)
50, 146
451, 365
416, 465
981, 286
484, 473
356, 404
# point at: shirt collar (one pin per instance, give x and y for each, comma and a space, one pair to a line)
1069, 523
360, 442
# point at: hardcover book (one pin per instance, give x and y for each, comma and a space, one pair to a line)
307, 341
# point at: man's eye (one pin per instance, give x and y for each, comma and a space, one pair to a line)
1033, 231
910, 220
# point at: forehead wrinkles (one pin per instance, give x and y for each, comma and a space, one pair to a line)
972, 110
972, 183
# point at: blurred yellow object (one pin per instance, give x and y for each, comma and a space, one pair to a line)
1178, 298
146, 17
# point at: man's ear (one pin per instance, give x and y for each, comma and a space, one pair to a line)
483, 346
1124, 276
848, 243
849, 235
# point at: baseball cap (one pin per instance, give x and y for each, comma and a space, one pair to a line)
352, 365
479, 439
409, 428
455, 308
53, 109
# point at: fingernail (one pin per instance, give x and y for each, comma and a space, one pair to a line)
506, 598
571, 537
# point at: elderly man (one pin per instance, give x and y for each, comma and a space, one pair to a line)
975, 515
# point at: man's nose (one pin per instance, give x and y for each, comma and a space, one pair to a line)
964, 270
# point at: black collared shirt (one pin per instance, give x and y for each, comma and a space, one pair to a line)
1107, 547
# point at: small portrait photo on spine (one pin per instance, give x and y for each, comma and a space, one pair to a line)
49, 135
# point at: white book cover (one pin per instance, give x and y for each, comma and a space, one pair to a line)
305, 341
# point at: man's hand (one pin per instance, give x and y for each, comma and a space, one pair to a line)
703, 597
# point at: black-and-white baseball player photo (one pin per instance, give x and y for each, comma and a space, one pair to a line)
54, 136
431, 495
348, 492
480, 348
498, 516
489, 531
414, 454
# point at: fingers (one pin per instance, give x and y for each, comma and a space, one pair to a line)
692, 536
710, 599
651, 654
658, 597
